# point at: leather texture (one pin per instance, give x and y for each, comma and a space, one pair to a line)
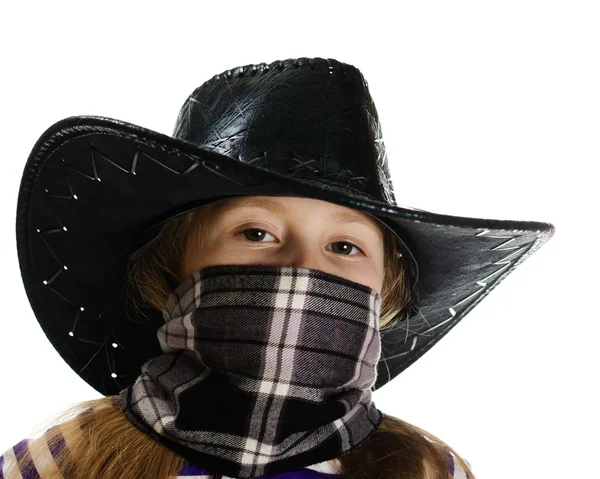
310, 119
94, 190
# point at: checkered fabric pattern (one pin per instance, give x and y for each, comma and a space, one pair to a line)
265, 369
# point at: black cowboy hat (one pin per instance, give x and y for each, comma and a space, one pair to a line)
96, 190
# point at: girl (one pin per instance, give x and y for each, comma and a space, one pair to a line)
263, 247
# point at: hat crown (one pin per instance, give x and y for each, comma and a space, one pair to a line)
308, 118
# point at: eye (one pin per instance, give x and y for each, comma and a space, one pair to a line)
256, 234
348, 247
253, 236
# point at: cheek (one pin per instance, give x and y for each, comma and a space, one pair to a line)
368, 276
192, 256
209, 250
377, 283
379, 276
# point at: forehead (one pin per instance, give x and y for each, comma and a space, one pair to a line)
284, 205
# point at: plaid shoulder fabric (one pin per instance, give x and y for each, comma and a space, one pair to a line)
455, 469
34, 458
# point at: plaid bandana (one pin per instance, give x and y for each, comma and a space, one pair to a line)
265, 369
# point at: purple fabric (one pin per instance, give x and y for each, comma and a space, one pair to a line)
21, 450
57, 445
188, 468
450, 458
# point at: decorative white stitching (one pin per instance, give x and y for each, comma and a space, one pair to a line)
505, 262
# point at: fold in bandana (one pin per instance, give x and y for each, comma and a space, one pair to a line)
265, 369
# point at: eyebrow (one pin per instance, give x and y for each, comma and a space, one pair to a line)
277, 208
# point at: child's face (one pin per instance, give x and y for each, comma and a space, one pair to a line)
301, 232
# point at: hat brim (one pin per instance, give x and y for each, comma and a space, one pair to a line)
93, 187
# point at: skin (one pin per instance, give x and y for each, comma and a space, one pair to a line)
302, 235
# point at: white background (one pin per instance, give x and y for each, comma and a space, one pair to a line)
489, 109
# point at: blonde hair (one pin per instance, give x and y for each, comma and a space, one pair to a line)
102, 443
